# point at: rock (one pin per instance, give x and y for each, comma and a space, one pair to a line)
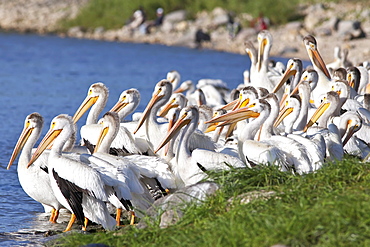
246, 34
175, 16
288, 50
169, 209
252, 196
181, 26
350, 30
220, 17
322, 31
75, 32
315, 16
331, 24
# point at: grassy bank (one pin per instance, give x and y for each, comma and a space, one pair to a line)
112, 14
327, 208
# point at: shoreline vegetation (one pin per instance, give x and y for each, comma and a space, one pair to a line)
345, 24
258, 207
250, 207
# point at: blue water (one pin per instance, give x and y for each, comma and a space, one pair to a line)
51, 75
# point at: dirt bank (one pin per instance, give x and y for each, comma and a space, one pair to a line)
346, 25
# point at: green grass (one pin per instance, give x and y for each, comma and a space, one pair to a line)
327, 208
112, 14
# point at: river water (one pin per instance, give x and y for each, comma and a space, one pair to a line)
51, 75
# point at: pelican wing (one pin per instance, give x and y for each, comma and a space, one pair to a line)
210, 160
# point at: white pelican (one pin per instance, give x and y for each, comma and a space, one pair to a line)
323, 83
340, 59
299, 106
176, 100
265, 77
337, 60
194, 96
294, 68
364, 79
205, 114
289, 113
349, 123
252, 53
284, 152
148, 166
189, 165
35, 180
327, 108
152, 128
96, 98
78, 187
174, 77
216, 91
354, 78
330, 132
127, 103
339, 74
246, 94
344, 91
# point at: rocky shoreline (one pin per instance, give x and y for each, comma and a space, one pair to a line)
346, 25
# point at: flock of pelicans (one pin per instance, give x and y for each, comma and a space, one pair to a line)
282, 115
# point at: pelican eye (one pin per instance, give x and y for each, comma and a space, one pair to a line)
90, 92
52, 125
253, 105
123, 98
312, 45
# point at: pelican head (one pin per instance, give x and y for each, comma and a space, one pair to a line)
264, 46
353, 77
58, 124
174, 77
314, 55
161, 94
128, 100
246, 94
176, 100
292, 104
311, 76
109, 123
251, 51
331, 100
253, 110
217, 113
353, 123
33, 124
294, 65
186, 85
97, 91
187, 115
340, 74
